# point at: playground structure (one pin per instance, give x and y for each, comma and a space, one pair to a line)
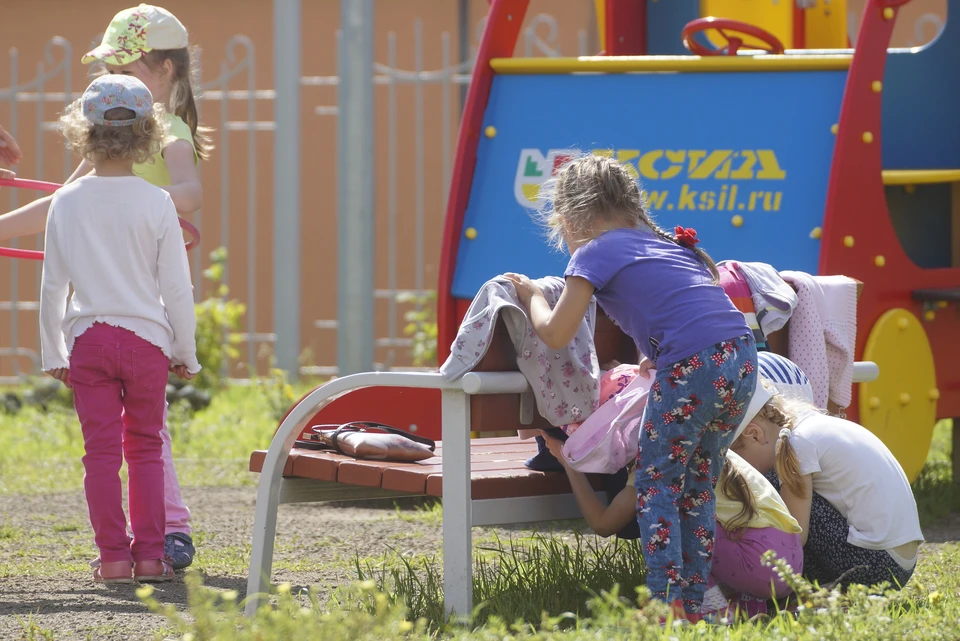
826, 161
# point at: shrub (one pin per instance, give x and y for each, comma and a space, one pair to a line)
218, 319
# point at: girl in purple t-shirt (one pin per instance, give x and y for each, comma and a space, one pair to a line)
662, 291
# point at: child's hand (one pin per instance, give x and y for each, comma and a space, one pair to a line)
181, 372
526, 288
62, 374
645, 366
9, 151
555, 446
7, 174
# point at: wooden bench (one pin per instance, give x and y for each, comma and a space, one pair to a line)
483, 481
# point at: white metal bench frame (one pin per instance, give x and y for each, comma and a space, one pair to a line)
460, 514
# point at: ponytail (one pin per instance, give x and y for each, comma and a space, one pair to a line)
182, 101
734, 485
701, 255
786, 462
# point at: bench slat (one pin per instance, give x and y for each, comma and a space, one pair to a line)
496, 466
509, 483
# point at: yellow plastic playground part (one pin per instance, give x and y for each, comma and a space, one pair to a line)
920, 176
826, 25
825, 21
775, 17
900, 407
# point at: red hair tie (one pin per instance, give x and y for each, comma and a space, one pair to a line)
686, 237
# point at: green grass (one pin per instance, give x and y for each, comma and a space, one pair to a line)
42, 450
516, 579
926, 610
546, 586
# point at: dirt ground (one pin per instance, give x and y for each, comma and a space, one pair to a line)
316, 546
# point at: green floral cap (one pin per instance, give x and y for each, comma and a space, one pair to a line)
134, 32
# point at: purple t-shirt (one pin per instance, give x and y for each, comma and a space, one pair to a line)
658, 292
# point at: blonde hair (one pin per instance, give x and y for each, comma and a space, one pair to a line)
182, 101
138, 142
784, 412
734, 485
593, 188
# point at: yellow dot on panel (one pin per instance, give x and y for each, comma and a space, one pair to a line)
888, 13
942, 304
470, 233
877, 86
904, 398
874, 403
848, 241
903, 323
816, 233
929, 315
910, 189
879, 261
934, 394
867, 137
737, 221
834, 128
490, 131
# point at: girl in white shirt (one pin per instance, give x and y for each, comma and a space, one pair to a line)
116, 240
845, 488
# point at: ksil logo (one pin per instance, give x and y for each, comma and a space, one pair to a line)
535, 167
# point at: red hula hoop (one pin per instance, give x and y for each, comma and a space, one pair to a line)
40, 185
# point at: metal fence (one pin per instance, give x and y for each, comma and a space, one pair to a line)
225, 97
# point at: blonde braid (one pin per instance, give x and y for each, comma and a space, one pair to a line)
786, 462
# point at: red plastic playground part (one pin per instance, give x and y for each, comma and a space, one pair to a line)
40, 185
722, 26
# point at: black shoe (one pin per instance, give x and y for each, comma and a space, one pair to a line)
179, 549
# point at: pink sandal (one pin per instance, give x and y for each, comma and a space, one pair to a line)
155, 571
113, 572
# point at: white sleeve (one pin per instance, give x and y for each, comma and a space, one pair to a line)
54, 288
176, 289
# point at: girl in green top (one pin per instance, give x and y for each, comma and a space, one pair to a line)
149, 43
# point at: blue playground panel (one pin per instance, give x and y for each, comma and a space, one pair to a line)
708, 147
665, 22
920, 98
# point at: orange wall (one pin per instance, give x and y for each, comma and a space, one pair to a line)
209, 29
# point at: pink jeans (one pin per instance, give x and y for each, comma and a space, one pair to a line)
178, 516
119, 382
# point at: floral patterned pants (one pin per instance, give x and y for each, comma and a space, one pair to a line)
692, 413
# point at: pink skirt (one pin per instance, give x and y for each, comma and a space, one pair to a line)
737, 563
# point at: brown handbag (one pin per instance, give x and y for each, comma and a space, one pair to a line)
368, 440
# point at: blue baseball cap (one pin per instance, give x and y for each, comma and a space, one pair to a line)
113, 92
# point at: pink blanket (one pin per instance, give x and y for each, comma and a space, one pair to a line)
823, 334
